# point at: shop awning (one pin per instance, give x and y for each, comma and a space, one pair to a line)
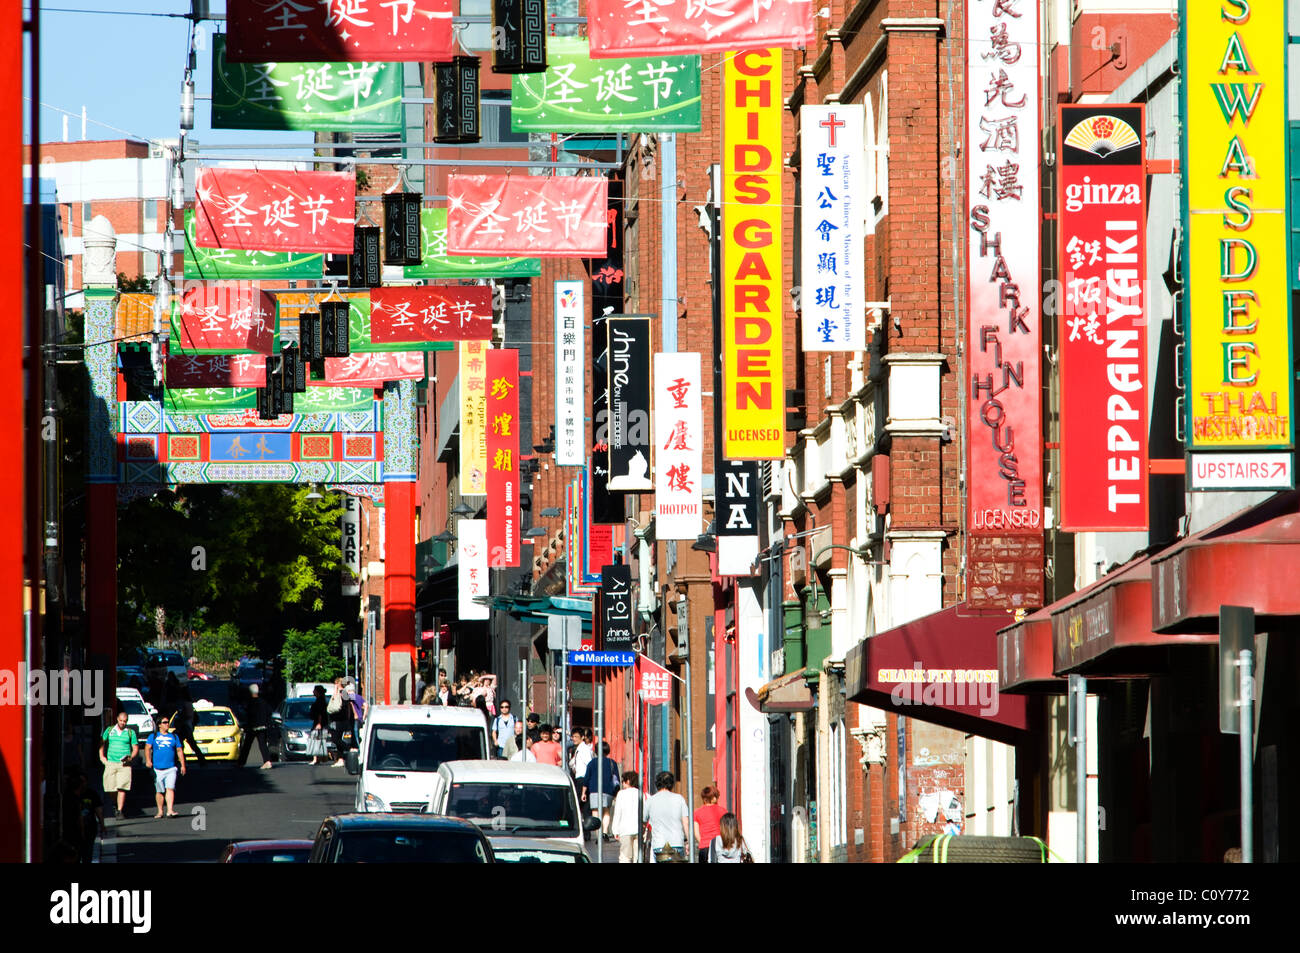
942, 668
1249, 559
1025, 656
1104, 630
535, 609
787, 693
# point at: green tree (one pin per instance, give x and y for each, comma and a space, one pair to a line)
313, 656
220, 645
137, 285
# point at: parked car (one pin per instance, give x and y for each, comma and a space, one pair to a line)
527, 850
294, 724
402, 747
249, 672
132, 676
138, 715
200, 676
399, 839
161, 662
267, 852
512, 799
217, 732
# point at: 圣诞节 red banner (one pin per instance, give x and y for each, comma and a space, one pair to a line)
306, 31
620, 28
215, 370
374, 369
503, 457
275, 210
431, 313
538, 216
224, 316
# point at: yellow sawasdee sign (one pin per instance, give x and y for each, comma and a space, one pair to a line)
752, 258
473, 418
1239, 388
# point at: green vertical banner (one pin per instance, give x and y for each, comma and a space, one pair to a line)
224, 264
438, 264
632, 94
322, 97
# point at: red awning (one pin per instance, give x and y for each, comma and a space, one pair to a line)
1249, 559
941, 668
1025, 655
1092, 626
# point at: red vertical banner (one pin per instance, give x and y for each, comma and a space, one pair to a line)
1103, 339
503, 457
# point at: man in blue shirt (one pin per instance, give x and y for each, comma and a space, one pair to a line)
162, 752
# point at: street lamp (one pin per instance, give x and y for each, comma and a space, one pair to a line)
463, 510
551, 511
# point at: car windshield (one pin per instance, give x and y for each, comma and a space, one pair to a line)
422, 747
213, 719
164, 658
281, 855
420, 847
249, 671
538, 857
298, 710
216, 692
515, 808
132, 706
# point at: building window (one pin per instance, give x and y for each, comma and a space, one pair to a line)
86, 214
150, 216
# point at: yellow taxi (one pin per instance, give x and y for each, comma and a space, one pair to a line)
217, 732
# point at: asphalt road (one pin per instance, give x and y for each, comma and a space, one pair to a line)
219, 803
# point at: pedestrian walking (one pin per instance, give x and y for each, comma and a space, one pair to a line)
259, 720
319, 718
344, 720
608, 779
626, 825
527, 753
118, 746
183, 723
337, 709
729, 847
546, 751
358, 709
163, 753
503, 731
534, 727
669, 818
706, 821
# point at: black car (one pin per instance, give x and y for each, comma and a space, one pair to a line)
294, 724
399, 839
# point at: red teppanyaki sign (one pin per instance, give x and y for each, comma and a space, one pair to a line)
432, 313
225, 316
537, 216
503, 457
275, 210
308, 31
649, 27
372, 370
1102, 336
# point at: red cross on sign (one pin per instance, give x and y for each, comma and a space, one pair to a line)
831, 123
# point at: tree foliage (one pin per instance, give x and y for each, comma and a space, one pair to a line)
137, 285
220, 645
313, 656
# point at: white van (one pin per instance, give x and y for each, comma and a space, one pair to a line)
511, 799
402, 747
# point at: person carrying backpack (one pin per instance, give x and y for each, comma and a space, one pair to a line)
503, 731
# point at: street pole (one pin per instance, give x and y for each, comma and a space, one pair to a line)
1078, 738
1246, 674
600, 770
684, 641
564, 701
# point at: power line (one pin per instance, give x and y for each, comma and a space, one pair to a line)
120, 13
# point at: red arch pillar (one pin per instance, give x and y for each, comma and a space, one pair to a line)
398, 632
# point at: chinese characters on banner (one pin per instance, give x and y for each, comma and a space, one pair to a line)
1239, 340
215, 370
473, 418
616, 606
503, 457
832, 186
570, 361
753, 258
577, 94
1103, 334
275, 210
654, 682
373, 369
644, 27
542, 216
436, 263
219, 264
1004, 417
296, 31
472, 567
679, 446
324, 97
629, 404
224, 316
432, 313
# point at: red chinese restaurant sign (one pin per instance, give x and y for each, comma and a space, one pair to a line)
503, 457
275, 210
433, 313
225, 316
307, 31
622, 28
537, 216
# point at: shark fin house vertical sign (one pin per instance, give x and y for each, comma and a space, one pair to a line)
1003, 425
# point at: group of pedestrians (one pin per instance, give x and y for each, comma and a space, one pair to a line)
342, 712
669, 823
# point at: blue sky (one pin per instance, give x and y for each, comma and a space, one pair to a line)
127, 71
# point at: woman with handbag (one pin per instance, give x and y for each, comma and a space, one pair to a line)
316, 746
729, 847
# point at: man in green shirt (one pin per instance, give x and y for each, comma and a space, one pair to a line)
117, 749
